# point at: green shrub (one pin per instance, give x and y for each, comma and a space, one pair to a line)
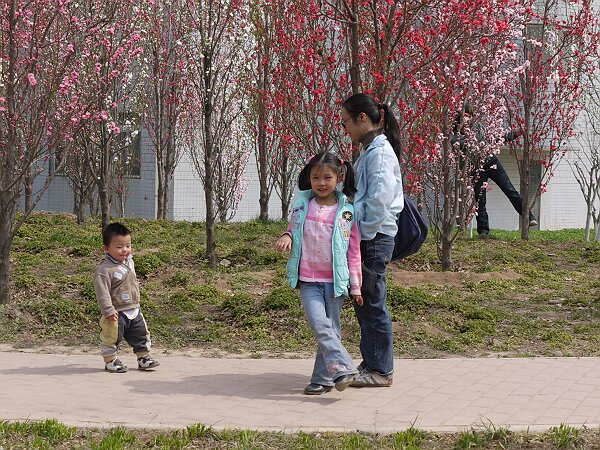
179, 279
592, 253
243, 255
88, 291
205, 294
180, 301
280, 298
25, 281
146, 265
81, 250
240, 305
411, 299
271, 257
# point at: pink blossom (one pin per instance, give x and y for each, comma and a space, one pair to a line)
32, 80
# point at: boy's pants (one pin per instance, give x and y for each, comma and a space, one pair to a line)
134, 331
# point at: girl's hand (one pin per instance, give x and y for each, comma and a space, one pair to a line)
284, 244
358, 299
114, 317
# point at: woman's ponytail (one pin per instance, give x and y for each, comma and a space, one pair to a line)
391, 128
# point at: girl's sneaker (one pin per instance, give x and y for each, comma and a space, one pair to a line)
116, 366
146, 362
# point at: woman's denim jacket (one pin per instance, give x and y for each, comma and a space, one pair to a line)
379, 197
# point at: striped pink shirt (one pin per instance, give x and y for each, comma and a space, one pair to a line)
316, 263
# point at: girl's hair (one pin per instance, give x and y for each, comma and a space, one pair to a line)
343, 169
366, 104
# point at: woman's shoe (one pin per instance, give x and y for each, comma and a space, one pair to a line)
317, 389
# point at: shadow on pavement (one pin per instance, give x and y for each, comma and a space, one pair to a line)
63, 369
275, 386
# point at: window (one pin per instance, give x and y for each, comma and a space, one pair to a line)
129, 141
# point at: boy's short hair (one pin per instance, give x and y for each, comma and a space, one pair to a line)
114, 229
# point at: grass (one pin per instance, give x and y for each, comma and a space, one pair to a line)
507, 297
50, 434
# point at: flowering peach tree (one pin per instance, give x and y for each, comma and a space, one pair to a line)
38, 110
558, 49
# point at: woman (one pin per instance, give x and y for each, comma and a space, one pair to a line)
378, 200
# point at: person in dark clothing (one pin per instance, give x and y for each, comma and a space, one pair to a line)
492, 170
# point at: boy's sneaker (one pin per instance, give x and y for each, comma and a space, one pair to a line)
533, 223
146, 362
116, 366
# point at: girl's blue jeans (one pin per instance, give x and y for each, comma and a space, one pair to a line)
322, 310
376, 340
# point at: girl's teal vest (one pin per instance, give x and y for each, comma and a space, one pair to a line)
344, 219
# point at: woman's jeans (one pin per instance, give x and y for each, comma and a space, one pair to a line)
322, 310
376, 340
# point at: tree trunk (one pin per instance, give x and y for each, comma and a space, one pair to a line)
354, 61
104, 193
285, 203
160, 209
524, 188
208, 169
122, 201
5, 244
448, 216
262, 160
8, 207
446, 251
9, 199
28, 185
588, 224
104, 204
91, 201
263, 167
78, 204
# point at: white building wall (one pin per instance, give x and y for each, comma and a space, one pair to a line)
189, 204
561, 206
564, 205
141, 201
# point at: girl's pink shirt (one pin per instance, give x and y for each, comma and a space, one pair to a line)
316, 262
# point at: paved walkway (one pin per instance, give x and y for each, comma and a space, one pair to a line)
266, 394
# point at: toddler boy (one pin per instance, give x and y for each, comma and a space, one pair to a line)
118, 296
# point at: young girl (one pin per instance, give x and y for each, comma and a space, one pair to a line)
378, 200
325, 262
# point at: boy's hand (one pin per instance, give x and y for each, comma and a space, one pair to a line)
358, 299
113, 317
284, 244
